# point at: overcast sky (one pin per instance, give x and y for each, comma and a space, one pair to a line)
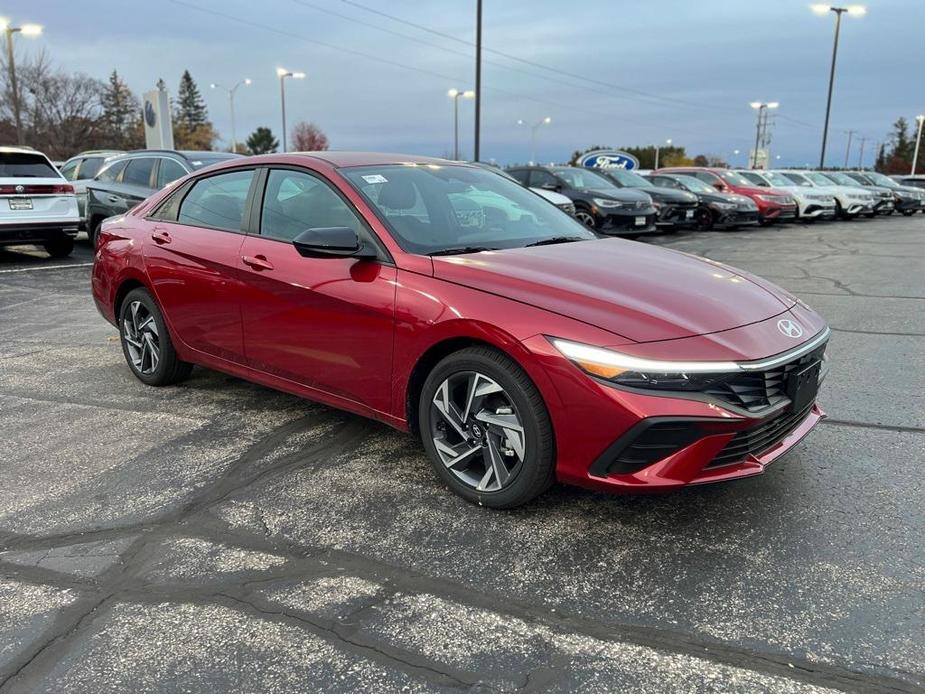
653, 69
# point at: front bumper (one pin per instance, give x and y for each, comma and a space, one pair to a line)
818, 210
676, 216
907, 205
36, 232
735, 218
777, 213
625, 222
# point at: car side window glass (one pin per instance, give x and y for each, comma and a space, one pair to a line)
90, 167
294, 201
138, 172
217, 201
169, 171
538, 179
520, 175
111, 172
69, 170
706, 177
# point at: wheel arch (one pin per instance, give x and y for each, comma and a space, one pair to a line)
127, 285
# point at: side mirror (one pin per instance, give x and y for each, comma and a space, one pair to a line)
551, 186
720, 186
332, 242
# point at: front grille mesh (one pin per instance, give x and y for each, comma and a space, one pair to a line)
760, 438
754, 391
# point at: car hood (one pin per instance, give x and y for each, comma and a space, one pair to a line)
552, 196
758, 190
669, 195
636, 291
621, 194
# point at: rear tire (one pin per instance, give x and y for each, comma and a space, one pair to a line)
93, 231
480, 409
59, 248
146, 342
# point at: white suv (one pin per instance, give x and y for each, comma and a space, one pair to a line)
812, 204
37, 205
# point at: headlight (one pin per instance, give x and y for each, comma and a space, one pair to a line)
632, 371
725, 205
604, 202
779, 199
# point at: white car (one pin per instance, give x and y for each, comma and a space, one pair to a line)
811, 204
37, 205
852, 200
558, 199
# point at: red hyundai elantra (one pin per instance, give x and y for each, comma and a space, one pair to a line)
447, 300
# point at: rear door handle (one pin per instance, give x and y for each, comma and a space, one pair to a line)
114, 198
160, 236
258, 262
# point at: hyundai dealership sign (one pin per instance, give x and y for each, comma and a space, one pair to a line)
608, 159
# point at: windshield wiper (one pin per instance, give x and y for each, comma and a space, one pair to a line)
555, 239
464, 249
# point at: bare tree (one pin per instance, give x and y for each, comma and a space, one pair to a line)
307, 137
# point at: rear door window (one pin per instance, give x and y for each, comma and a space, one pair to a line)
110, 172
26, 165
138, 172
539, 178
169, 171
217, 202
90, 167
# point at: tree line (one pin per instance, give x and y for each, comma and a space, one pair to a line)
65, 113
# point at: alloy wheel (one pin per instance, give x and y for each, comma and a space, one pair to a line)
139, 331
477, 431
585, 218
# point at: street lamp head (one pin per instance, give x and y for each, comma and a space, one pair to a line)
755, 104
4, 23
773, 104
468, 94
31, 29
453, 93
820, 8
282, 72
668, 141
298, 75
857, 10
920, 118
547, 120
213, 86
248, 81
520, 121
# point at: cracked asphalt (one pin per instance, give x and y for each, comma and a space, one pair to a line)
219, 536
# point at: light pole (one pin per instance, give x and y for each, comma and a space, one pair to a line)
283, 74
231, 91
918, 141
762, 125
454, 94
533, 128
25, 30
667, 142
856, 10
848, 148
735, 153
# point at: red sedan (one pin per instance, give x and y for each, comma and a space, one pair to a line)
446, 300
774, 205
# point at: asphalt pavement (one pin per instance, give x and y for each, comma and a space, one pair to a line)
219, 536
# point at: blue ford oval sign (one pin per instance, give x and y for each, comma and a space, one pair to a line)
608, 159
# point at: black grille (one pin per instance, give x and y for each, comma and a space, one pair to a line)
760, 438
754, 391
658, 440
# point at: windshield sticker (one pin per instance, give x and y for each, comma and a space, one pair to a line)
375, 178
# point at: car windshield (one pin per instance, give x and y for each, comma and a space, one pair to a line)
799, 179
583, 178
26, 165
881, 180
755, 179
200, 160
734, 178
695, 185
776, 179
819, 179
841, 179
435, 208
629, 179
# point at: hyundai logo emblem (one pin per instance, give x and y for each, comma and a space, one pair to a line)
789, 328
20, 189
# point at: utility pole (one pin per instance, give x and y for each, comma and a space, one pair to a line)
861, 154
478, 75
848, 148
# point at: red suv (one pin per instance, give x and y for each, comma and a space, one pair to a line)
447, 300
773, 205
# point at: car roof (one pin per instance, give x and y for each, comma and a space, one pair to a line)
346, 159
20, 150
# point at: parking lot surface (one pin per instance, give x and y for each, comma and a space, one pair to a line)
219, 536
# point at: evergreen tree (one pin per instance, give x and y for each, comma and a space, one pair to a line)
880, 164
190, 111
261, 141
120, 114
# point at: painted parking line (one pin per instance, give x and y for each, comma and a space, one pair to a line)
46, 267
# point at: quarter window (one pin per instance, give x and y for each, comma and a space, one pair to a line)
295, 201
169, 171
111, 173
90, 167
538, 179
138, 172
217, 202
69, 170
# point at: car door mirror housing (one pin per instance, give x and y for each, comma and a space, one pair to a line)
332, 242
551, 186
719, 185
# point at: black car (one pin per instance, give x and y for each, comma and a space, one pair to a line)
599, 203
676, 209
127, 179
907, 199
715, 209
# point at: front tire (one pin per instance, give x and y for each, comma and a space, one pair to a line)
486, 429
59, 248
146, 341
586, 217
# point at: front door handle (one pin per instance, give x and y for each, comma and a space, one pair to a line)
160, 236
114, 198
258, 262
